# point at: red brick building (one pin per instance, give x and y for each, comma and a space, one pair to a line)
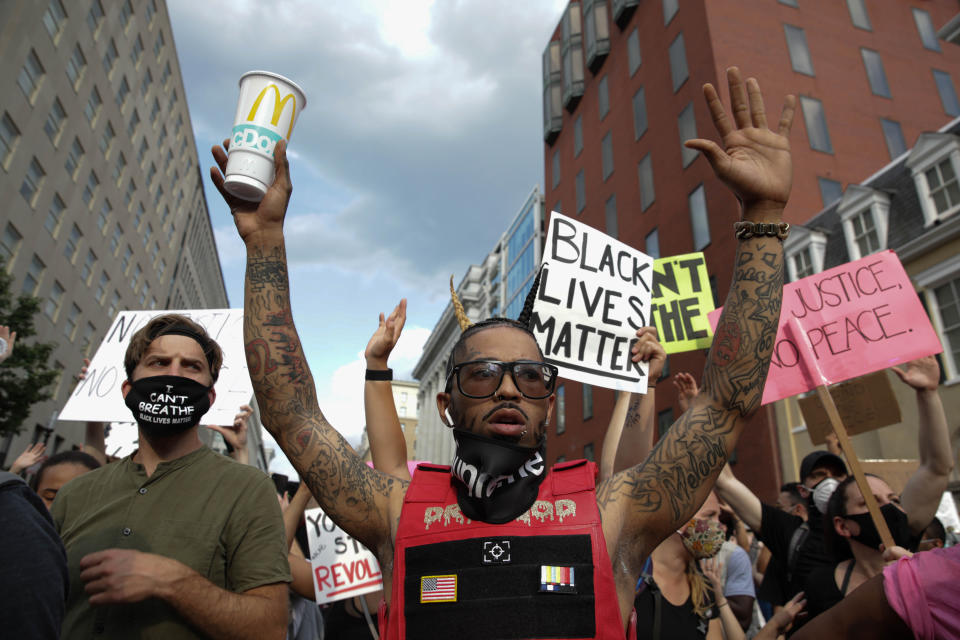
622, 88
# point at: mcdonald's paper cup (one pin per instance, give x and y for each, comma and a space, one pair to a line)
266, 112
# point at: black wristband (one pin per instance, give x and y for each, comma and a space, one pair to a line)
380, 374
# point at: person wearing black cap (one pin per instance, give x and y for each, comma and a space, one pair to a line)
173, 541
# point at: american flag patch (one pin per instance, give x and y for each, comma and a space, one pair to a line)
557, 579
438, 588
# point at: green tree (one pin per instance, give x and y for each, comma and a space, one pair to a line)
25, 377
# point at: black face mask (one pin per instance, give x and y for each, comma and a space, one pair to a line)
167, 405
896, 521
498, 480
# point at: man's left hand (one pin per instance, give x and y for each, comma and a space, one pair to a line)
124, 575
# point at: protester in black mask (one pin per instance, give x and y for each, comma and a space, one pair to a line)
175, 540
850, 532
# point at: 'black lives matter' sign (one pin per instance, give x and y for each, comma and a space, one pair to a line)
594, 294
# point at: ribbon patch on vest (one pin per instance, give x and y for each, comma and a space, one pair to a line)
438, 588
557, 579
496, 552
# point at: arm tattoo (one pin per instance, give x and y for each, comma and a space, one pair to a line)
354, 495
656, 497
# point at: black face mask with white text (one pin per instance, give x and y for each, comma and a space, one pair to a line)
498, 480
167, 405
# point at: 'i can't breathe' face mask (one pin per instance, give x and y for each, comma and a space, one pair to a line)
167, 405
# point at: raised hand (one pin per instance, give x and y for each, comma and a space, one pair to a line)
385, 338
648, 349
236, 434
752, 160
712, 569
7, 338
921, 374
266, 216
687, 389
30, 456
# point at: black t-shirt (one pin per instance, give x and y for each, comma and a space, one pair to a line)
679, 623
821, 590
772, 588
776, 531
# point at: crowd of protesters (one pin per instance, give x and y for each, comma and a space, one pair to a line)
177, 541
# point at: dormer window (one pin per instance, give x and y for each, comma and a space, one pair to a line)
804, 250
863, 213
935, 164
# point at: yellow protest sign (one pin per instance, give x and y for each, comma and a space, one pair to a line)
680, 302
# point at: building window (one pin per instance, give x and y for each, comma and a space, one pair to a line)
587, 401
9, 244
74, 156
858, 14
90, 190
633, 52
581, 192
136, 53
946, 301
167, 71
30, 76
942, 186
875, 73
670, 8
9, 135
588, 452
115, 239
830, 190
603, 98
639, 113
893, 134
928, 35
104, 216
145, 84
645, 177
75, 66
107, 138
125, 261
138, 218
93, 106
790, 3
698, 218
555, 169
54, 122
32, 181
118, 168
135, 278
53, 18
865, 232
560, 409
102, 285
652, 244
158, 45
151, 174
95, 16
142, 151
863, 213
110, 57
123, 92
34, 274
664, 421
151, 10
610, 213
114, 304
577, 136
816, 122
54, 214
800, 58
126, 12
948, 95
678, 62
73, 321
88, 263
606, 155
687, 126
804, 251
72, 244
132, 124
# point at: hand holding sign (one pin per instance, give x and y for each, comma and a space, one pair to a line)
754, 161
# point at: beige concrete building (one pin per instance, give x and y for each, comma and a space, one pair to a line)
103, 198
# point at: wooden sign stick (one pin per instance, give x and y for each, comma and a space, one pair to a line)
845, 444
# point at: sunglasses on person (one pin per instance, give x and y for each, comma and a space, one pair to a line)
482, 378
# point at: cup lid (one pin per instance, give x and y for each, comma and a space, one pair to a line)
278, 77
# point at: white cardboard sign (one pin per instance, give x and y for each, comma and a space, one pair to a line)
594, 294
98, 397
342, 567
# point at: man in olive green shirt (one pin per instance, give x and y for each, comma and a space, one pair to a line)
174, 541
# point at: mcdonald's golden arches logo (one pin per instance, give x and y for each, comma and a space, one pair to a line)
278, 106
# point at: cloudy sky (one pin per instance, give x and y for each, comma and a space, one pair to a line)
420, 140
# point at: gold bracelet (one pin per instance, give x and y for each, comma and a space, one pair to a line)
745, 230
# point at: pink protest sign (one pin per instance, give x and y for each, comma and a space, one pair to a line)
857, 318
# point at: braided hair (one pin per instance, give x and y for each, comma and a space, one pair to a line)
468, 329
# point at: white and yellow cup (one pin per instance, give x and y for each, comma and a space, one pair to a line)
266, 112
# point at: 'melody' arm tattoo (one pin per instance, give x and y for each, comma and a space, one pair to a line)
354, 495
659, 495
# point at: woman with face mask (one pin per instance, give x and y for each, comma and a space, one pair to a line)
848, 529
675, 599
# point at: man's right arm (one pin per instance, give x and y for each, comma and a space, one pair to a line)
358, 498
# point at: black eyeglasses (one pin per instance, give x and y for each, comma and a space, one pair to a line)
482, 378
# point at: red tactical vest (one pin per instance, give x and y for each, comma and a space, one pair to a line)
544, 575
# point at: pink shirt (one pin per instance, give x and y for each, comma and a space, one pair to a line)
925, 592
